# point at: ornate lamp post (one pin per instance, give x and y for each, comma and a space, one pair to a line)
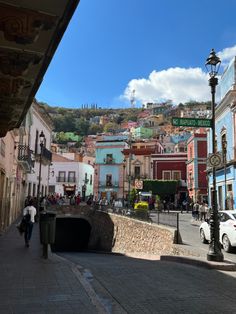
224, 148
42, 141
214, 253
124, 165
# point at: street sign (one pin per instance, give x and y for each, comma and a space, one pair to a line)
192, 122
215, 160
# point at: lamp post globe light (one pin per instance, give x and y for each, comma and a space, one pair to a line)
214, 253
42, 141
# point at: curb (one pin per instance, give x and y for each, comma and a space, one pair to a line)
225, 265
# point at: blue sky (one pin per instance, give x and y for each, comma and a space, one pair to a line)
156, 48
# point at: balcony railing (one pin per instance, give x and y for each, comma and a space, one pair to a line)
109, 160
105, 184
66, 180
46, 155
24, 157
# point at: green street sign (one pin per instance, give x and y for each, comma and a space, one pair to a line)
192, 122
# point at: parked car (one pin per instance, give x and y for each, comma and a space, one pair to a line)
227, 237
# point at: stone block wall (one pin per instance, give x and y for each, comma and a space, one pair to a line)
122, 234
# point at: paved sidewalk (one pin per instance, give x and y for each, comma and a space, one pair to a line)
32, 284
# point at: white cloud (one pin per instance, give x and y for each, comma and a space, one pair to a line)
226, 55
176, 84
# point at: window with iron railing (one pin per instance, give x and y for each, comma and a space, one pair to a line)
2, 147
108, 180
61, 176
71, 176
109, 159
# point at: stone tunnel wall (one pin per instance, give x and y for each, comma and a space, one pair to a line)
121, 234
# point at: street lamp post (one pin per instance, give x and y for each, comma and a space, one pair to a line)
124, 183
42, 140
214, 253
224, 148
129, 175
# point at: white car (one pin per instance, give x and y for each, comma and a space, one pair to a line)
227, 219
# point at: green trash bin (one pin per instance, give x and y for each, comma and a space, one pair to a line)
47, 227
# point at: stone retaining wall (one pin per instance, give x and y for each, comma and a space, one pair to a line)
122, 234
115, 233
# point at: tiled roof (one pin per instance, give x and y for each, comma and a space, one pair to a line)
59, 158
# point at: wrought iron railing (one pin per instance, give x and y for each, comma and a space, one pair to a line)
25, 157
63, 179
108, 184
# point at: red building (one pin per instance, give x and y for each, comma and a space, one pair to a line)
196, 167
172, 166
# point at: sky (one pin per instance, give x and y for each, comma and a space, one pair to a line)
148, 50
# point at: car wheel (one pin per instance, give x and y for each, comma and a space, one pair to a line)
226, 244
202, 236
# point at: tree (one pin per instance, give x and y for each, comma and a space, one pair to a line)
82, 126
95, 128
161, 187
110, 127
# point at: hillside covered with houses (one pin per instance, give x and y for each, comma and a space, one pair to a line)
112, 154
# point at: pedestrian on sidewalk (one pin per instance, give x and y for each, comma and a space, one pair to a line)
29, 213
196, 211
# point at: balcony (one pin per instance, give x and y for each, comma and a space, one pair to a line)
105, 184
24, 158
109, 160
66, 180
46, 156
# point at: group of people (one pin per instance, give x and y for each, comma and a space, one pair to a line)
200, 211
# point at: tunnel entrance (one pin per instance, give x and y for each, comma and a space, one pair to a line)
72, 235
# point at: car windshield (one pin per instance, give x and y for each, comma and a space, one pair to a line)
234, 215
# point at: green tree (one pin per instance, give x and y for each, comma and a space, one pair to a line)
95, 128
82, 126
110, 127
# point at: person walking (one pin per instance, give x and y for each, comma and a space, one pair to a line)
196, 211
29, 213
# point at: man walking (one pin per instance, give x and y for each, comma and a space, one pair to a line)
29, 213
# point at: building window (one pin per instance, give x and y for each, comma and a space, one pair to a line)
137, 172
176, 175
34, 190
166, 175
61, 176
108, 180
91, 180
36, 142
109, 159
71, 176
29, 189
2, 148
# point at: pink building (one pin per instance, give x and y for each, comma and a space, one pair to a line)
196, 167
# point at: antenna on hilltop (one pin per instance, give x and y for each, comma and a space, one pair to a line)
132, 99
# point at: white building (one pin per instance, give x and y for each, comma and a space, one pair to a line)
37, 121
70, 177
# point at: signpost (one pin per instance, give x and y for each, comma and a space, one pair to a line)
192, 122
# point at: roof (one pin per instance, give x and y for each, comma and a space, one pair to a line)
59, 158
